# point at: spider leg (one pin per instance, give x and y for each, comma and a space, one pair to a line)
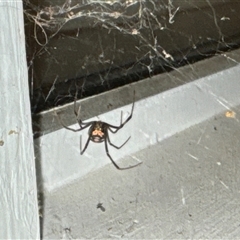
115, 145
81, 124
122, 123
77, 114
86, 145
119, 168
115, 127
74, 130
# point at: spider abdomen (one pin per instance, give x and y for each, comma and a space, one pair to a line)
96, 132
97, 139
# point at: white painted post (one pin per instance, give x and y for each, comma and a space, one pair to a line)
18, 192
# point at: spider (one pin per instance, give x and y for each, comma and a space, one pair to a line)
98, 132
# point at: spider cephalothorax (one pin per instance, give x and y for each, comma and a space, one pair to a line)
98, 132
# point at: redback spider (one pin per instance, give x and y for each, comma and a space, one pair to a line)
98, 132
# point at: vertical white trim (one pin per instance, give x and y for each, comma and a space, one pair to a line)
18, 204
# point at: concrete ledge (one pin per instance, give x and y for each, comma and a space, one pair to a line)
45, 122
155, 118
187, 188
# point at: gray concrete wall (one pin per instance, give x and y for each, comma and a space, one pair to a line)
155, 118
188, 184
187, 188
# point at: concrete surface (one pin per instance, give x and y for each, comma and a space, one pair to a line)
154, 119
187, 187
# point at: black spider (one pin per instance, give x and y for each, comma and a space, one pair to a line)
98, 132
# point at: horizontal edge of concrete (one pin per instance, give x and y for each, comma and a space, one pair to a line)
107, 101
155, 118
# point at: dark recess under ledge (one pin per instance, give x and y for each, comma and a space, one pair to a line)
64, 64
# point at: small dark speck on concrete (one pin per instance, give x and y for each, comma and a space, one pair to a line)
215, 128
100, 205
67, 230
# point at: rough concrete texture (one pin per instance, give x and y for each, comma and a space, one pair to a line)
154, 119
187, 187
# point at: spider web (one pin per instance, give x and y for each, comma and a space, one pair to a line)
93, 46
